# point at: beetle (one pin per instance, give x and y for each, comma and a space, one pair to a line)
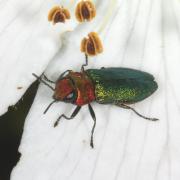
117, 86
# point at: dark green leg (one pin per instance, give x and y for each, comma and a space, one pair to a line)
140, 115
49, 106
94, 119
75, 112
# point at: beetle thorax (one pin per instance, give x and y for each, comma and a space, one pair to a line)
76, 88
84, 87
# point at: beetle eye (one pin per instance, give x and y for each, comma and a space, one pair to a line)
70, 96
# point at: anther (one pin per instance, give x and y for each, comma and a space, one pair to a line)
58, 14
85, 11
92, 45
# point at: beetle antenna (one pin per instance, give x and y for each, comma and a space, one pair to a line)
62, 75
49, 106
41, 80
86, 63
140, 115
48, 80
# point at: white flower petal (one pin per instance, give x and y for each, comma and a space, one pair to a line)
27, 42
142, 35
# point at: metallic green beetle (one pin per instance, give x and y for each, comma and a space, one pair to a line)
117, 86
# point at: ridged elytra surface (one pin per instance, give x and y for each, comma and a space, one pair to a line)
116, 85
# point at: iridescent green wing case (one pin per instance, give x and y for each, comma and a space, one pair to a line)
116, 85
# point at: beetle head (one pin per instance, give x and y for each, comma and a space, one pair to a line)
65, 90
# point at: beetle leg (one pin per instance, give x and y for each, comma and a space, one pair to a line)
86, 63
140, 115
75, 112
49, 106
41, 80
46, 78
94, 119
